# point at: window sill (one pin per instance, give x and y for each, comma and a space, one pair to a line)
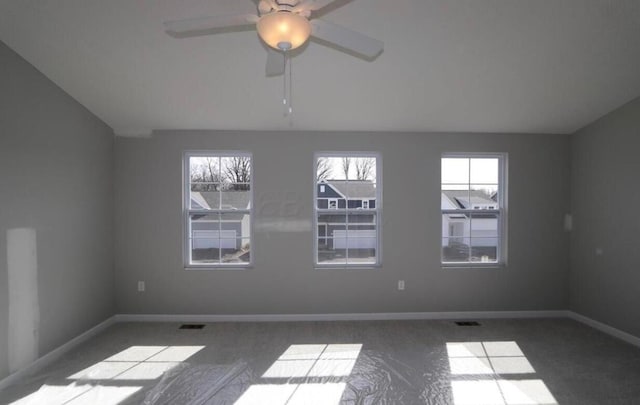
473, 265
345, 267
221, 267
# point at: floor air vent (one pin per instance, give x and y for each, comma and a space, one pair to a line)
191, 326
467, 323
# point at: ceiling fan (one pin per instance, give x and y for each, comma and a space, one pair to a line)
283, 25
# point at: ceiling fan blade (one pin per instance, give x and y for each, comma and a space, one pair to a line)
275, 62
312, 5
346, 39
194, 27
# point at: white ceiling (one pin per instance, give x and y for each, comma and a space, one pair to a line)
538, 66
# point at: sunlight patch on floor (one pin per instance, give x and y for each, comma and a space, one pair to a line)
332, 362
489, 364
114, 379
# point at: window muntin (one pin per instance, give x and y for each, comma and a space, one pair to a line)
472, 205
347, 231
218, 201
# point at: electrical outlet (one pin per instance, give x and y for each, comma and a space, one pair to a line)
141, 286
401, 285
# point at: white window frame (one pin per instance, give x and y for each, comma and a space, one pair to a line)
501, 211
332, 200
188, 211
377, 210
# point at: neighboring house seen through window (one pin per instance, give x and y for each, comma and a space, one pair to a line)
217, 201
473, 210
348, 195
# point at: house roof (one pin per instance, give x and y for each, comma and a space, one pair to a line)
354, 189
464, 199
230, 200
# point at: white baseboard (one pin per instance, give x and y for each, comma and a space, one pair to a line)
55, 353
610, 330
341, 317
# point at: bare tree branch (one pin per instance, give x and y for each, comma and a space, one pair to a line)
205, 174
364, 168
323, 169
346, 164
237, 169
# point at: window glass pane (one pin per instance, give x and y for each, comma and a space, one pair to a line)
361, 252
484, 237
365, 233
455, 227
332, 222
205, 238
358, 190
359, 217
455, 250
204, 251
204, 169
483, 197
357, 240
235, 225
484, 226
322, 203
455, 170
484, 249
205, 196
204, 179
332, 168
326, 168
323, 240
235, 197
455, 197
236, 169
357, 168
329, 254
235, 250
204, 222
364, 169
484, 170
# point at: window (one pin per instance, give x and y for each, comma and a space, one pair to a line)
347, 229
473, 209
217, 209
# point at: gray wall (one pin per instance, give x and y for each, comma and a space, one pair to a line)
56, 176
283, 280
605, 198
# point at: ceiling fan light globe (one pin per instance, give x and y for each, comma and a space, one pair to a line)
284, 28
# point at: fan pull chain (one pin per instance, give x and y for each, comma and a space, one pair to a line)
284, 80
287, 98
290, 86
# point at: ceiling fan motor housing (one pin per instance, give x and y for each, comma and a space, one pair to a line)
283, 30
267, 6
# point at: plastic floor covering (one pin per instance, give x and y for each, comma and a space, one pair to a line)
506, 362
